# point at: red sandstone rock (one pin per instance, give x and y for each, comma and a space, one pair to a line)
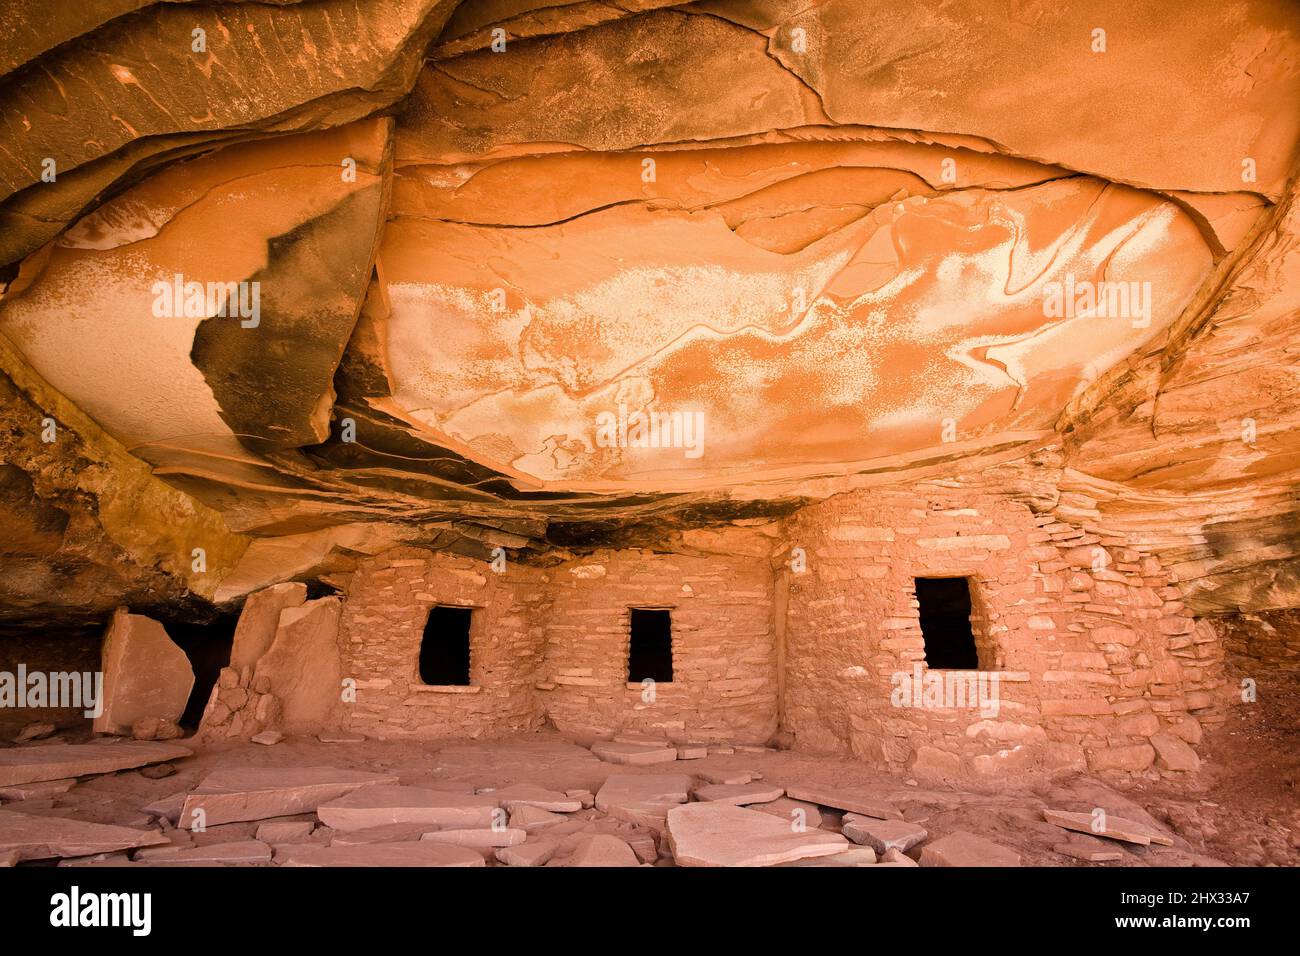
1109, 825
966, 849
42, 837
476, 836
882, 835
602, 850
844, 799
718, 834
145, 674
24, 765
227, 796
738, 794
378, 805
379, 854
634, 754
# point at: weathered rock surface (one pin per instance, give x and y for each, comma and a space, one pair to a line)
966, 850
23, 765
42, 837
718, 834
853, 801
602, 850
738, 794
302, 668
636, 755
882, 835
1110, 826
146, 676
376, 806
643, 798
379, 854
228, 796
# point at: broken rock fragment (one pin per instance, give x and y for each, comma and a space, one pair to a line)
602, 850
145, 674
852, 801
376, 806
20, 765
228, 796
1110, 826
527, 795
380, 854
43, 837
642, 798
738, 794
882, 835
634, 754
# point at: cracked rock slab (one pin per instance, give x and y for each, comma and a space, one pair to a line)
719, 834
229, 796
43, 837
20, 765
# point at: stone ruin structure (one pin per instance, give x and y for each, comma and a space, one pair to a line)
911, 388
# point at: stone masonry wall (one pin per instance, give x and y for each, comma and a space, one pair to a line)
724, 665
1099, 663
388, 602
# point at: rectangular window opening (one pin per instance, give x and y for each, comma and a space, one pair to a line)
444, 649
650, 654
945, 623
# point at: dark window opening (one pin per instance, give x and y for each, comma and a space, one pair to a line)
207, 645
945, 623
444, 650
650, 656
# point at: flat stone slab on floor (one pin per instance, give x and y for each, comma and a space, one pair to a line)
529, 795
477, 836
960, 848
239, 851
285, 831
231, 796
532, 852
738, 794
851, 801
648, 740
792, 811
376, 806
728, 777
882, 835
1088, 852
719, 834
602, 850
857, 856
38, 790
388, 833
19, 765
530, 819
44, 837
643, 798
633, 755
1114, 828
380, 854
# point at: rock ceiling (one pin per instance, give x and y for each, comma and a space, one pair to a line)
852, 242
